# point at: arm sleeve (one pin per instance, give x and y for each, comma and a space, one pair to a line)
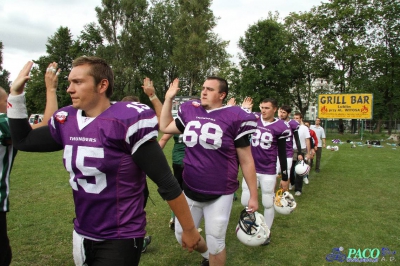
283, 158
145, 157
242, 142
179, 125
26, 139
297, 139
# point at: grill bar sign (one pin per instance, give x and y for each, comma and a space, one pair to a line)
345, 106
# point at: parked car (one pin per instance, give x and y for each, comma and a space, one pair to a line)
35, 118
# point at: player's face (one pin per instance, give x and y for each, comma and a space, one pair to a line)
82, 88
297, 118
282, 114
267, 111
318, 121
211, 98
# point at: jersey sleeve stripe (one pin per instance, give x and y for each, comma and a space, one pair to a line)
143, 123
145, 138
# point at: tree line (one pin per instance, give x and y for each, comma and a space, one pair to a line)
352, 45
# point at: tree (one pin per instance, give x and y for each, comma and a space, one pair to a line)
264, 68
4, 74
58, 50
198, 51
121, 25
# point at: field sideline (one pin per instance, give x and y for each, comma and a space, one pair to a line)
352, 203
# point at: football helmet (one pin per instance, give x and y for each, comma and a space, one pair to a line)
252, 229
284, 202
302, 168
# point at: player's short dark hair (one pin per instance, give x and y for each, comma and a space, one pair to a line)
272, 101
223, 84
99, 70
286, 108
130, 98
299, 114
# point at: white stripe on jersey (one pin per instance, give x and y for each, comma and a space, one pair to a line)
143, 140
143, 123
247, 132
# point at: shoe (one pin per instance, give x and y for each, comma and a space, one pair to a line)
298, 193
290, 187
267, 241
146, 243
172, 224
305, 180
317, 170
205, 262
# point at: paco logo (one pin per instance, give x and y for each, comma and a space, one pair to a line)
361, 255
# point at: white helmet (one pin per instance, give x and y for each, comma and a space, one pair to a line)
284, 202
328, 147
302, 168
251, 229
335, 148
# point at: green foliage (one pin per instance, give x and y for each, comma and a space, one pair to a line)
265, 72
350, 203
5, 83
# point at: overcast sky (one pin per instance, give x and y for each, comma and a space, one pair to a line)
25, 25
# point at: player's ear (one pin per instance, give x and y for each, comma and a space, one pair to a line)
102, 86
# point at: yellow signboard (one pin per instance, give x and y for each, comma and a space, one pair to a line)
345, 106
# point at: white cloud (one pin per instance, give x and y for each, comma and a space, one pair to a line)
26, 24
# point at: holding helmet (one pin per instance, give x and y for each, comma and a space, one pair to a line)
251, 229
302, 168
284, 202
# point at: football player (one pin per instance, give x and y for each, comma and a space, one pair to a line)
267, 143
284, 114
106, 149
217, 141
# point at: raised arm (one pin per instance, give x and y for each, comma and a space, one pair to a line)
23, 137
51, 80
167, 124
150, 91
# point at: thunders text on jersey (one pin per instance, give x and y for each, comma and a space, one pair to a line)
82, 139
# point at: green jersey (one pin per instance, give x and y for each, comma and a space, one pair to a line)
7, 154
178, 152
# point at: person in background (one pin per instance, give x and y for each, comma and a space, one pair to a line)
8, 153
313, 149
284, 114
320, 132
115, 140
268, 143
304, 136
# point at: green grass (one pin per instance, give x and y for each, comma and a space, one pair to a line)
353, 202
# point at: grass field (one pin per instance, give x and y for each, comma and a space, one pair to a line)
352, 203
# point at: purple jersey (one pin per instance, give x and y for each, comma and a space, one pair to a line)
107, 185
211, 162
294, 125
264, 144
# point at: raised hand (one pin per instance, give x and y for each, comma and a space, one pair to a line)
148, 87
231, 102
173, 89
17, 87
51, 77
247, 103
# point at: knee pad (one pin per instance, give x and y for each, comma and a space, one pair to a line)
215, 245
268, 200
